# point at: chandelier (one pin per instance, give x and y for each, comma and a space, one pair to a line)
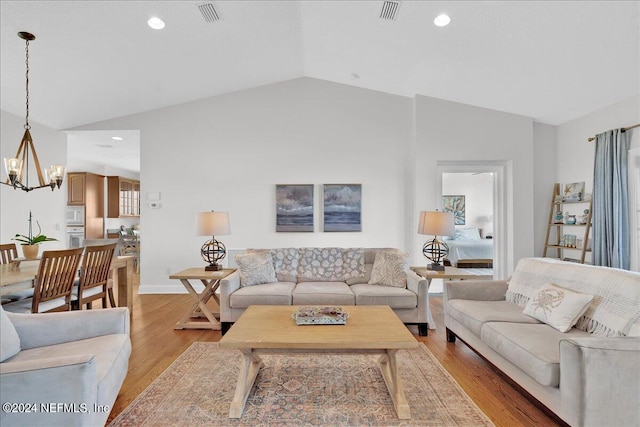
17, 168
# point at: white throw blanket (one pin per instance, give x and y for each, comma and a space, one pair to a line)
615, 309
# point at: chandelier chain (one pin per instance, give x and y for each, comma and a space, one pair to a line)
26, 49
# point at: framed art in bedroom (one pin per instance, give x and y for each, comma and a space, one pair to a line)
456, 205
294, 207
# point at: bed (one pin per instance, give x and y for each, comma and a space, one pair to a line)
467, 247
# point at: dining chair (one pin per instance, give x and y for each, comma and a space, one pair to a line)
93, 283
8, 252
53, 284
130, 246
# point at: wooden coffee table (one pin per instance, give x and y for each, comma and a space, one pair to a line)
270, 329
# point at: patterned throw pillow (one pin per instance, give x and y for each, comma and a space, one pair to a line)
255, 268
285, 262
353, 264
320, 264
557, 307
389, 269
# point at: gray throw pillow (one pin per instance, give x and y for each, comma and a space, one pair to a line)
256, 268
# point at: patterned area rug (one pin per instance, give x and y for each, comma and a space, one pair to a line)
300, 390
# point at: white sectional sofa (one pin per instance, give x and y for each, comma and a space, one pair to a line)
587, 376
326, 276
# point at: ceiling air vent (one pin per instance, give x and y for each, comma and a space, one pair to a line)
209, 13
389, 10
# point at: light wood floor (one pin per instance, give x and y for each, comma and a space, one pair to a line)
156, 345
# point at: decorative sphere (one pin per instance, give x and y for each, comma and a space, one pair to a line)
213, 251
435, 250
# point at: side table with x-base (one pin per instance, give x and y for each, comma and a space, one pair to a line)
211, 282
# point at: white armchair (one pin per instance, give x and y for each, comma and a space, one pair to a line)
67, 368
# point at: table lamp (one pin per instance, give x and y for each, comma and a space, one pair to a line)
212, 224
436, 224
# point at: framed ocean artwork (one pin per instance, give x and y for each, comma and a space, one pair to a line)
342, 207
294, 207
456, 205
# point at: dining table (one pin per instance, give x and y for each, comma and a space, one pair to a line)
25, 271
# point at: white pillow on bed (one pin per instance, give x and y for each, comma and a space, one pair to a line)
467, 234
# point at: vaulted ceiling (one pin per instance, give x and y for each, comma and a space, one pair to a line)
95, 60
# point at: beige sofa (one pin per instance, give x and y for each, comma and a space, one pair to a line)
62, 369
327, 276
588, 376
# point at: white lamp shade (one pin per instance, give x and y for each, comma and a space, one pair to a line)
436, 223
212, 223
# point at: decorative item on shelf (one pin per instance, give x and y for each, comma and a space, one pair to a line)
573, 192
568, 240
30, 242
558, 218
558, 198
212, 224
436, 224
571, 219
17, 168
584, 217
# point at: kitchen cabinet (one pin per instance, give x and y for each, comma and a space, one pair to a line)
123, 196
87, 189
75, 189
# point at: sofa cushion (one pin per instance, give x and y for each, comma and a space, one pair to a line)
9, 339
389, 269
111, 355
324, 293
256, 268
278, 293
384, 295
473, 314
533, 348
363, 279
320, 265
557, 307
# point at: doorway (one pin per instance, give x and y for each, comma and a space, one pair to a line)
478, 188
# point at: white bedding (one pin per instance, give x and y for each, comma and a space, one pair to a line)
460, 250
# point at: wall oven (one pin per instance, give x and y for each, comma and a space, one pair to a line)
75, 237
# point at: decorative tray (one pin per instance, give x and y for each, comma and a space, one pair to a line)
317, 315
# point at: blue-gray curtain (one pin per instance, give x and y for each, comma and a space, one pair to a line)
611, 200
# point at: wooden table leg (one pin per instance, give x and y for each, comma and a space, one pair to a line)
251, 364
211, 294
125, 286
389, 368
199, 306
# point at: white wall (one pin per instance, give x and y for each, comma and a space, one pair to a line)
544, 177
228, 152
48, 207
449, 131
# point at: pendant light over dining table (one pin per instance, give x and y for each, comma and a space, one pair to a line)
17, 168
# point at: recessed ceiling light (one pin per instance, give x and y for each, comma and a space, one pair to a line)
442, 20
116, 138
156, 23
